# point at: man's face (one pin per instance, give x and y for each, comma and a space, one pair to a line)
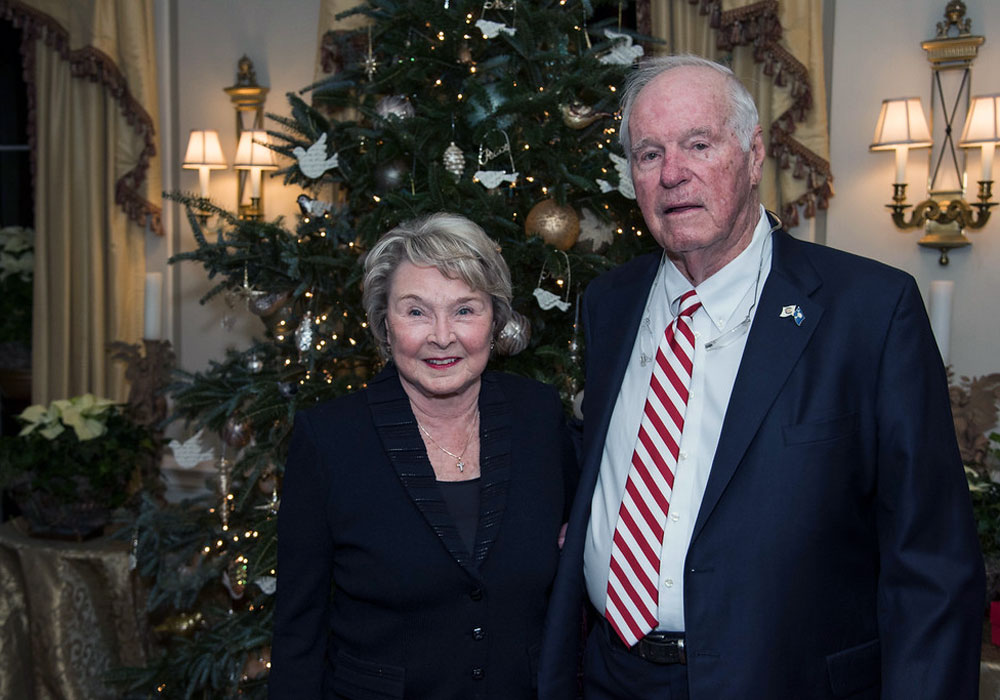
695, 185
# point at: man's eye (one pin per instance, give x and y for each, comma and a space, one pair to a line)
649, 156
700, 146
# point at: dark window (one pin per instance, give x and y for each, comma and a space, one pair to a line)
16, 206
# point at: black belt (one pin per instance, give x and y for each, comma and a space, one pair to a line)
656, 647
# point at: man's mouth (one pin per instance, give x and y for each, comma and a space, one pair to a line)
680, 209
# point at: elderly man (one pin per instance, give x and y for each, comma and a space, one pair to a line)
772, 504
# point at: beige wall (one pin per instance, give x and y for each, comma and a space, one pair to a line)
200, 44
877, 55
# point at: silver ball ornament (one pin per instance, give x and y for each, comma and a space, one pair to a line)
236, 432
267, 304
255, 364
391, 175
398, 106
514, 336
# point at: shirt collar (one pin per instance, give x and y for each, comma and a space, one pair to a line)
721, 294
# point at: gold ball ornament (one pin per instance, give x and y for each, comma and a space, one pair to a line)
557, 224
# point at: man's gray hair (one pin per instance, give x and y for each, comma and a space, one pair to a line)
453, 244
743, 116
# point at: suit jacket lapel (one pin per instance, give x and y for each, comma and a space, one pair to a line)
772, 350
400, 437
611, 336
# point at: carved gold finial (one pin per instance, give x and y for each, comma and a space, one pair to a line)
954, 15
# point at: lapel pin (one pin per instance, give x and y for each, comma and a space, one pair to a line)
795, 312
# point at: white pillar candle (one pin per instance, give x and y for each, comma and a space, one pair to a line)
942, 301
255, 182
153, 306
987, 158
203, 172
901, 154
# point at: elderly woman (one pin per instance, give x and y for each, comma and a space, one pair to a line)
431, 501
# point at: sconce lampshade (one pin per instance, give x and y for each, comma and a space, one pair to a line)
252, 151
982, 129
204, 151
982, 125
901, 123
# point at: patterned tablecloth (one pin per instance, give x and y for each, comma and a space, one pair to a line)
69, 611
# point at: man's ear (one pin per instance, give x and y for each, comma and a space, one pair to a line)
757, 154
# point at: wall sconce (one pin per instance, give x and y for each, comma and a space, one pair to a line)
254, 156
248, 99
901, 125
204, 154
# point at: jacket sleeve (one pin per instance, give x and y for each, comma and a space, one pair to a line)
931, 589
305, 566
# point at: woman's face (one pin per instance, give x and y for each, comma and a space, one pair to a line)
439, 331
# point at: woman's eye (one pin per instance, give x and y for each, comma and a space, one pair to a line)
464, 311
414, 312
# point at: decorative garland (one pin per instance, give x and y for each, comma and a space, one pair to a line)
96, 66
758, 25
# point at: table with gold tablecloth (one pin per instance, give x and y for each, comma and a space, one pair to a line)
69, 612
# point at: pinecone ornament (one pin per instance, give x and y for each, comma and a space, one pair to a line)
454, 160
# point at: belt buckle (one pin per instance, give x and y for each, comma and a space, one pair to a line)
662, 649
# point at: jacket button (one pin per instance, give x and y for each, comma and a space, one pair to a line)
478, 634
478, 674
476, 594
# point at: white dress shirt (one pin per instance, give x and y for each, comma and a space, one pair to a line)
727, 297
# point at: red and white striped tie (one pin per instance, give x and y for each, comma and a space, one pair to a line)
635, 552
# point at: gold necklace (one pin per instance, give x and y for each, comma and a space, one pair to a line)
458, 457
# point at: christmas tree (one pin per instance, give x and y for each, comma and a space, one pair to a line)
503, 111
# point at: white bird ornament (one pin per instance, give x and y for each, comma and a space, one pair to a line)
313, 162
191, 452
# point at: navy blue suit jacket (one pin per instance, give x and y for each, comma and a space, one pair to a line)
414, 614
834, 554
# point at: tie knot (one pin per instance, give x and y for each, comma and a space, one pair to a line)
689, 303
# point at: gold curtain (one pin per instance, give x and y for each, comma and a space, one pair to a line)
776, 49
91, 74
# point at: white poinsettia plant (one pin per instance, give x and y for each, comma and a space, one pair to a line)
84, 446
87, 415
17, 257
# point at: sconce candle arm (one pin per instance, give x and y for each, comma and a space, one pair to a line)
957, 210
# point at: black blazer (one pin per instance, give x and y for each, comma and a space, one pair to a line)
834, 554
413, 614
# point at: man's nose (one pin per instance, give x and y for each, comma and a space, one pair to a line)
673, 173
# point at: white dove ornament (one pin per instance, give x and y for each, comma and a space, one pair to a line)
191, 452
625, 185
313, 162
623, 53
548, 300
491, 30
492, 178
